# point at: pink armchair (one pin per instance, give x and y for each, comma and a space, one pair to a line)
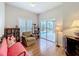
15, 50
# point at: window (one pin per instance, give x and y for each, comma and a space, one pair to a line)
25, 25
29, 25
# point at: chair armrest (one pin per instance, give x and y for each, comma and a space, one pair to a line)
24, 38
3, 48
22, 53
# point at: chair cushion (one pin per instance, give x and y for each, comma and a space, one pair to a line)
16, 50
3, 48
27, 34
11, 41
30, 39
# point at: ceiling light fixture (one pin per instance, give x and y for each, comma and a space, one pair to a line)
33, 4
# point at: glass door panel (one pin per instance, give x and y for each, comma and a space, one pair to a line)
43, 29
50, 31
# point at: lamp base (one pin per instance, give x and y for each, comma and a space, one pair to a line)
57, 45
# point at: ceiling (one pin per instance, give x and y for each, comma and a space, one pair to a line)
36, 7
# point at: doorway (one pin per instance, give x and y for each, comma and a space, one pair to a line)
47, 30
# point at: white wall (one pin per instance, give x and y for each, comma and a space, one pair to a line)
2, 18
13, 14
70, 13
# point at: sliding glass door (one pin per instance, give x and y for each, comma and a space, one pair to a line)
47, 30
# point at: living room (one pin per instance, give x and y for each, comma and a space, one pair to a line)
39, 27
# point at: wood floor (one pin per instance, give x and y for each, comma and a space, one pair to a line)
45, 48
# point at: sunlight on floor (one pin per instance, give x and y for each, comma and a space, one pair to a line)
45, 48
48, 35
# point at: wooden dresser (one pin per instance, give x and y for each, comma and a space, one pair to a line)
14, 31
72, 42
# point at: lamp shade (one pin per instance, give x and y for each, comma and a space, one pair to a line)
58, 28
75, 23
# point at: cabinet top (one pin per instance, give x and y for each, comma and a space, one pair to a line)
72, 33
